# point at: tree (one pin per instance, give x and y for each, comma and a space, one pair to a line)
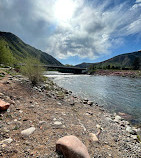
108, 66
33, 70
6, 57
136, 63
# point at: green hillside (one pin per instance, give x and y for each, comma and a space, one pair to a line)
18, 50
123, 61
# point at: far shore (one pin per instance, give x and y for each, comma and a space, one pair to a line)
123, 73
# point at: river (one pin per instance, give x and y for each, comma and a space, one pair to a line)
114, 93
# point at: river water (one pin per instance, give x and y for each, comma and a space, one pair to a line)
114, 93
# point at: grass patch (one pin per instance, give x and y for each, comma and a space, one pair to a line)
138, 137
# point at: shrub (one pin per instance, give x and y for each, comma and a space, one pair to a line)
6, 56
33, 70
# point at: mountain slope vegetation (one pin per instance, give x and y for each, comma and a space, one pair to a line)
123, 61
18, 50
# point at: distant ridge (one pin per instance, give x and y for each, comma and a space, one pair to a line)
21, 50
84, 65
122, 60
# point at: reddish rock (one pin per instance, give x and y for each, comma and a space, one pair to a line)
3, 105
124, 115
71, 147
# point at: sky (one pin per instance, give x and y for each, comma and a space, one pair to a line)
75, 31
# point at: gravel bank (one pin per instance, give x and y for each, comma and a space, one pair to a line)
51, 113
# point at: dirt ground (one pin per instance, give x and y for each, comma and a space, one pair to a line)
55, 115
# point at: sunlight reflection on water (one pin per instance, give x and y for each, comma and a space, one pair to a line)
117, 94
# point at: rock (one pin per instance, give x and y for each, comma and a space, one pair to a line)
60, 96
89, 113
31, 106
28, 131
72, 102
7, 82
4, 105
66, 92
71, 147
93, 137
1, 94
108, 119
54, 119
59, 103
85, 101
110, 155
57, 123
75, 97
5, 130
20, 111
96, 104
90, 103
8, 110
10, 78
42, 122
12, 102
98, 126
102, 109
135, 129
127, 123
70, 92
117, 118
6, 141
124, 115
134, 137
129, 129
4, 146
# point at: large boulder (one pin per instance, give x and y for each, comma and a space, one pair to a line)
4, 105
71, 147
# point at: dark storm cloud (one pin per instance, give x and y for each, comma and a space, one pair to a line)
20, 18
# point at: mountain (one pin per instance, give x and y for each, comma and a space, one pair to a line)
21, 50
121, 61
83, 65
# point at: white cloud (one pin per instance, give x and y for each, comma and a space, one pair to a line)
137, 4
138, 1
92, 30
135, 26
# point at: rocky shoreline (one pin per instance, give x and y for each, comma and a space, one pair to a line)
123, 73
39, 116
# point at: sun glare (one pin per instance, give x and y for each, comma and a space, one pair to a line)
64, 10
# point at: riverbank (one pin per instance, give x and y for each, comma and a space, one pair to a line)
123, 73
55, 112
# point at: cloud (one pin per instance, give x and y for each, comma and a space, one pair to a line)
138, 1
137, 4
92, 30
